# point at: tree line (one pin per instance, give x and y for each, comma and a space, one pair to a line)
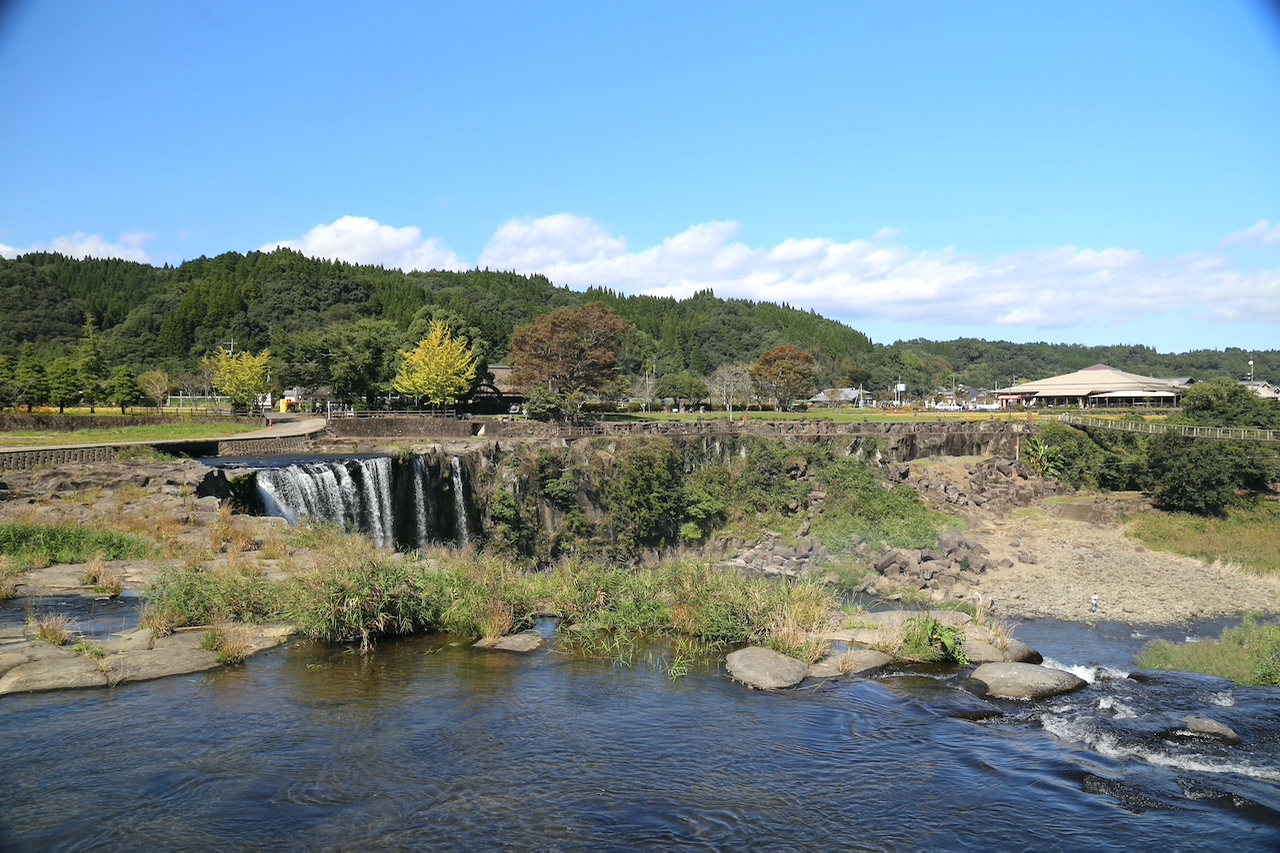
345, 327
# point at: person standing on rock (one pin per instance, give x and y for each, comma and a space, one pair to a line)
1093, 603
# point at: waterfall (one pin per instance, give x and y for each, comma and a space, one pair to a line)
462, 519
353, 494
397, 504
422, 509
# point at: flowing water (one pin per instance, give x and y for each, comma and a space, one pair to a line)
403, 504
429, 744
424, 744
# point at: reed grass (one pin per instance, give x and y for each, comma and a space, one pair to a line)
1246, 536
1249, 654
55, 629
358, 593
101, 577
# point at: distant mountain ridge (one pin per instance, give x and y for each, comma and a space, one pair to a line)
173, 316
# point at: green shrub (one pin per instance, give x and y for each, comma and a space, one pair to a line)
929, 640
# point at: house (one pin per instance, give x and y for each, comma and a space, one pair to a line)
1099, 386
1265, 390
831, 398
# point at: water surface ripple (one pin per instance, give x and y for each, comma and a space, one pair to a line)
426, 745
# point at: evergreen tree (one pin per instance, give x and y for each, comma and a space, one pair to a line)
64, 384
6, 382
31, 385
123, 389
91, 365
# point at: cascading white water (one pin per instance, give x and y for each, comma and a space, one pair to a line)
420, 505
460, 504
372, 496
352, 494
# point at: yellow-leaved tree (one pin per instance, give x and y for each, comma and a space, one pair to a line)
242, 376
440, 369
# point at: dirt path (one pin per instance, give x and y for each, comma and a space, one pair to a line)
1074, 560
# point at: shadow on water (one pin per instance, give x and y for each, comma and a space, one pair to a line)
428, 744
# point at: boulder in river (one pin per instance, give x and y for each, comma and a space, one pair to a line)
765, 669
1023, 681
1205, 727
524, 642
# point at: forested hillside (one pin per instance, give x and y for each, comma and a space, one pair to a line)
315, 315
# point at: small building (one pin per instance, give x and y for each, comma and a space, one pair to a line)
834, 398
1265, 390
1099, 386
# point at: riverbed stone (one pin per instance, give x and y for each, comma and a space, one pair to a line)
1206, 727
765, 669
52, 673
1023, 681
853, 662
524, 642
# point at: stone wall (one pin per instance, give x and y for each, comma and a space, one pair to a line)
26, 460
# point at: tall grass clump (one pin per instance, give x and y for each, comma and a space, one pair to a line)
357, 593
101, 577
55, 629
10, 574
1249, 654
197, 595
1245, 536
40, 545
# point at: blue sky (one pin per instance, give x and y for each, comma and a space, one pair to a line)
1079, 172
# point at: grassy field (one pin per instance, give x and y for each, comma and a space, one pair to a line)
1246, 537
178, 431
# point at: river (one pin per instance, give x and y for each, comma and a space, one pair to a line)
430, 745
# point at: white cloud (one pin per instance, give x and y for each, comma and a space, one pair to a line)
360, 240
1263, 234
881, 280
80, 245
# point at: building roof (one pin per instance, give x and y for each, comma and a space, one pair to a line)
836, 395
1099, 380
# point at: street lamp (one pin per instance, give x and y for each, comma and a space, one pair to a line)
1250, 370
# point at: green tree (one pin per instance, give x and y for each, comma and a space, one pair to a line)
1226, 403
91, 365
123, 389
241, 376
6, 382
31, 384
784, 374
1204, 476
682, 386
64, 384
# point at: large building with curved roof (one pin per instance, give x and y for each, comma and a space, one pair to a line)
1096, 387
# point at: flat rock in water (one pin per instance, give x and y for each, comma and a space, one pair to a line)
765, 669
525, 642
1206, 727
854, 662
57, 673
1023, 680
